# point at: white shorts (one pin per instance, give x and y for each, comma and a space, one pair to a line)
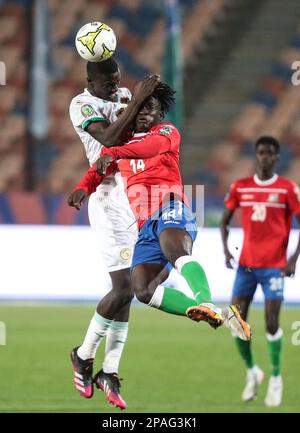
115, 230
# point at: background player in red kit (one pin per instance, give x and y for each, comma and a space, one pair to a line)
150, 165
268, 203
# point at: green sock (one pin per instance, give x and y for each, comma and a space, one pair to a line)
172, 301
195, 276
244, 348
275, 351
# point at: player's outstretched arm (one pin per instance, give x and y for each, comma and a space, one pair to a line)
111, 134
224, 226
77, 198
290, 268
87, 185
145, 147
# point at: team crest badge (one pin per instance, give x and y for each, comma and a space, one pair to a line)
125, 254
273, 198
87, 110
165, 130
247, 197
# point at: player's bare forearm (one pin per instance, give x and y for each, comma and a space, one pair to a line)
89, 181
290, 268
114, 134
150, 147
297, 252
77, 198
224, 226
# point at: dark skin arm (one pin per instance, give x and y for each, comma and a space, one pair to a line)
113, 134
224, 226
77, 198
290, 268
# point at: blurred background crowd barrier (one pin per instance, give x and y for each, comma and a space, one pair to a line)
229, 60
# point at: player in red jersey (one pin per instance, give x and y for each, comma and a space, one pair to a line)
150, 165
268, 203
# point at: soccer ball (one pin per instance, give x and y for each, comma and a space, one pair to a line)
95, 42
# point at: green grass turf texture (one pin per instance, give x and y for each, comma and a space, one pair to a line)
170, 364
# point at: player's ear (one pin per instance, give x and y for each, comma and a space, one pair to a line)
161, 115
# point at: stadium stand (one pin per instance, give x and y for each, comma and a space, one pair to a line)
274, 109
140, 29
59, 160
13, 105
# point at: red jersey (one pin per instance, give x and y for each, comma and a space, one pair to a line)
267, 210
149, 165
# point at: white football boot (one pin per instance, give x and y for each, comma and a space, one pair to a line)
234, 322
254, 378
274, 393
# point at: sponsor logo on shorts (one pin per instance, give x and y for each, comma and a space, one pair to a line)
125, 254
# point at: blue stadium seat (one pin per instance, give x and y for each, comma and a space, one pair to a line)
187, 4
286, 157
282, 71
130, 65
206, 177
265, 98
295, 42
121, 12
142, 22
248, 149
45, 153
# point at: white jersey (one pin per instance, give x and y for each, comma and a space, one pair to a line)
109, 210
86, 108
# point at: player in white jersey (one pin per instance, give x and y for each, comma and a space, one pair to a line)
99, 118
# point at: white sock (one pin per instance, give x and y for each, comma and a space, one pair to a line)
96, 332
278, 334
157, 297
183, 260
115, 341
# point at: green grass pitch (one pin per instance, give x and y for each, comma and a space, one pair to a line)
170, 364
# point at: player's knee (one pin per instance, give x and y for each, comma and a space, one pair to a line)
175, 246
122, 291
142, 293
127, 296
123, 285
272, 326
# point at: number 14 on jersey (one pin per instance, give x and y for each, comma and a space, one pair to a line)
137, 165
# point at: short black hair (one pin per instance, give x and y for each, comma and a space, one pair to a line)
107, 67
267, 139
165, 95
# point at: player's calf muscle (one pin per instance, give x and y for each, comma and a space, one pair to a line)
141, 289
175, 243
145, 279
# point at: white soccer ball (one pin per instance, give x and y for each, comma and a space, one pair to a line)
95, 42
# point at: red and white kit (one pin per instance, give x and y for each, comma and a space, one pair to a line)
147, 179
110, 215
267, 211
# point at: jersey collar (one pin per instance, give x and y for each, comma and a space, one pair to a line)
87, 92
267, 182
